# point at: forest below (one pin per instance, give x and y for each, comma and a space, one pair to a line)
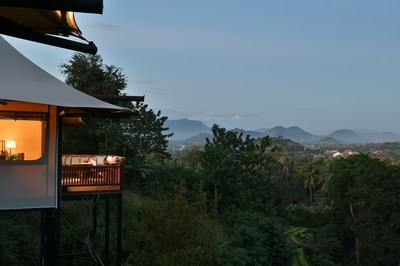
235, 201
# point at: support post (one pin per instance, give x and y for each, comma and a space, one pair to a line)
94, 222
49, 237
119, 231
107, 233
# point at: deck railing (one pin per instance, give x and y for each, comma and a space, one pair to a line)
78, 178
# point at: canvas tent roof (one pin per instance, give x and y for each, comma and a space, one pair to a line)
22, 80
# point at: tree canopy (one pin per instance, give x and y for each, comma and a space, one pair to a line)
135, 138
233, 165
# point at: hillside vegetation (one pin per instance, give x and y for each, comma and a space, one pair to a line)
234, 200
241, 201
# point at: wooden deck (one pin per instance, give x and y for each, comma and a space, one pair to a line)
89, 178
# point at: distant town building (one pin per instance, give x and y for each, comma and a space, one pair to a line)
330, 152
337, 155
347, 153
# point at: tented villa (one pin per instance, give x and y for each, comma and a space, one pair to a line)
34, 107
34, 174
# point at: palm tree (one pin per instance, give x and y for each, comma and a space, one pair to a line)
285, 162
308, 173
326, 174
310, 184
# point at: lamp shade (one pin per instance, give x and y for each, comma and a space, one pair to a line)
10, 144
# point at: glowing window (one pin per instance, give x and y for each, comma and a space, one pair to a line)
22, 135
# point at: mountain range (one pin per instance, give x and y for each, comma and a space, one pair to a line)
193, 132
185, 128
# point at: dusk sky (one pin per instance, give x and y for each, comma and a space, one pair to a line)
320, 65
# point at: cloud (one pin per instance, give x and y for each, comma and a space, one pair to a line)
237, 117
145, 81
206, 117
219, 117
156, 90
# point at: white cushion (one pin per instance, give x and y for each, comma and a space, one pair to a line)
75, 160
63, 158
93, 161
68, 160
100, 160
84, 159
111, 159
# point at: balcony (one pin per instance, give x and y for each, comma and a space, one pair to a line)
91, 173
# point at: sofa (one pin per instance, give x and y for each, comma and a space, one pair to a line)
91, 172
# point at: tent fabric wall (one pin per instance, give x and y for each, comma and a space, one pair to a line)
32, 184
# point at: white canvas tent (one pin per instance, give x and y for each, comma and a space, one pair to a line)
29, 92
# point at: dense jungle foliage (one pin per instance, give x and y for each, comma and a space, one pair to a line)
236, 201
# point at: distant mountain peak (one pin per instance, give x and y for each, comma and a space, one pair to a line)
294, 127
294, 133
328, 140
346, 136
186, 128
252, 134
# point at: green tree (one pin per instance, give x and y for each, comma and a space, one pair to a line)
90, 75
179, 231
260, 238
137, 137
326, 173
365, 203
20, 238
233, 164
192, 158
285, 162
236, 170
308, 173
145, 135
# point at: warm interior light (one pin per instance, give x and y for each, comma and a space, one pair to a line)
10, 144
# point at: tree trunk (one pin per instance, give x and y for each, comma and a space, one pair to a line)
286, 175
356, 238
215, 197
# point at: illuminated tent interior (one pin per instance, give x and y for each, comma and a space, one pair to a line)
48, 21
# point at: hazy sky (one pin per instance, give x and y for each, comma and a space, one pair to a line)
320, 65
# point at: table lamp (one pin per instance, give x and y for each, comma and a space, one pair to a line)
10, 144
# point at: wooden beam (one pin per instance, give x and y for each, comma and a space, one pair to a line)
84, 6
122, 98
13, 29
